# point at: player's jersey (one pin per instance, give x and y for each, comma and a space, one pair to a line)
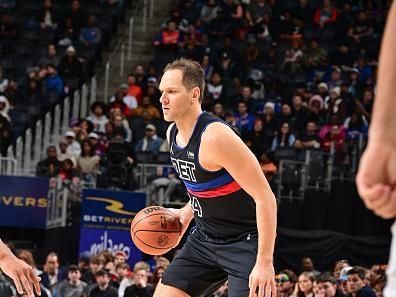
222, 209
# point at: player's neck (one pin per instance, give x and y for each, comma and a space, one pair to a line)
186, 124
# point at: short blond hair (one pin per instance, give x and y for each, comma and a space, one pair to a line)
193, 74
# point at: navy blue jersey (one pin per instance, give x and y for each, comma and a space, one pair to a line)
222, 209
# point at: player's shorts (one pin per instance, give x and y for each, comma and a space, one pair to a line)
202, 266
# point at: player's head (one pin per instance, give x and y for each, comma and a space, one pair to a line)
182, 87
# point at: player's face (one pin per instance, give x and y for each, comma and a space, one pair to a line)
175, 98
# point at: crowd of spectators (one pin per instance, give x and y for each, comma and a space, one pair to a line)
48, 48
109, 274
285, 74
288, 75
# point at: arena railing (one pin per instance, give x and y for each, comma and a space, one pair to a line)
147, 9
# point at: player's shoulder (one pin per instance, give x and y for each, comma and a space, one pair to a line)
216, 132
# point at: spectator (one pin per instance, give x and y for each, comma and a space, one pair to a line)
257, 9
379, 285
140, 76
335, 80
47, 18
95, 265
62, 153
50, 58
53, 82
244, 120
339, 265
73, 286
134, 89
335, 105
365, 70
69, 173
123, 270
325, 15
70, 68
67, 34
141, 288
308, 266
305, 285
257, 140
361, 31
123, 101
88, 163
216, 88
53, 274
327, 286
4, 107
150, 142
90, 36
147, 110
356, 283
300, 113
293, 57
285, 284
314, 54
119, 121
309, 139
207, 66
209, 11
189, 10
356, 125
103, 287
98, 116
284, 138
97, 143
73, 147
49, 166
169, 40
355, 85
76, 16
343, 57
333, 136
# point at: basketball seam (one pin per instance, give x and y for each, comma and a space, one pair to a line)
156, 248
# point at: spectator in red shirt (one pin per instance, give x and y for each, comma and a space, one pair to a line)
133, 88
325, 15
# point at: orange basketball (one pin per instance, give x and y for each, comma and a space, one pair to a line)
155, 230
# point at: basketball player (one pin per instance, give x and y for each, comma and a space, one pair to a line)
21, 273
230, 199
376, 179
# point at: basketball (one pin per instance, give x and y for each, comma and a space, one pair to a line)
155, 230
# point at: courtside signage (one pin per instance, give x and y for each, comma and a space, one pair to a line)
23, 201
109, 209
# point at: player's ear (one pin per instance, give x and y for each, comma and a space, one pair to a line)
195, 94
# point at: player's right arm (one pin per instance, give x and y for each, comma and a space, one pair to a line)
376, 179
21, 273
185, 214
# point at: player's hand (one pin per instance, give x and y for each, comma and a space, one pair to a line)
184, 219
262, 281
376, 179
22, 274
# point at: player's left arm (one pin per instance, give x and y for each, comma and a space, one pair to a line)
224, 148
